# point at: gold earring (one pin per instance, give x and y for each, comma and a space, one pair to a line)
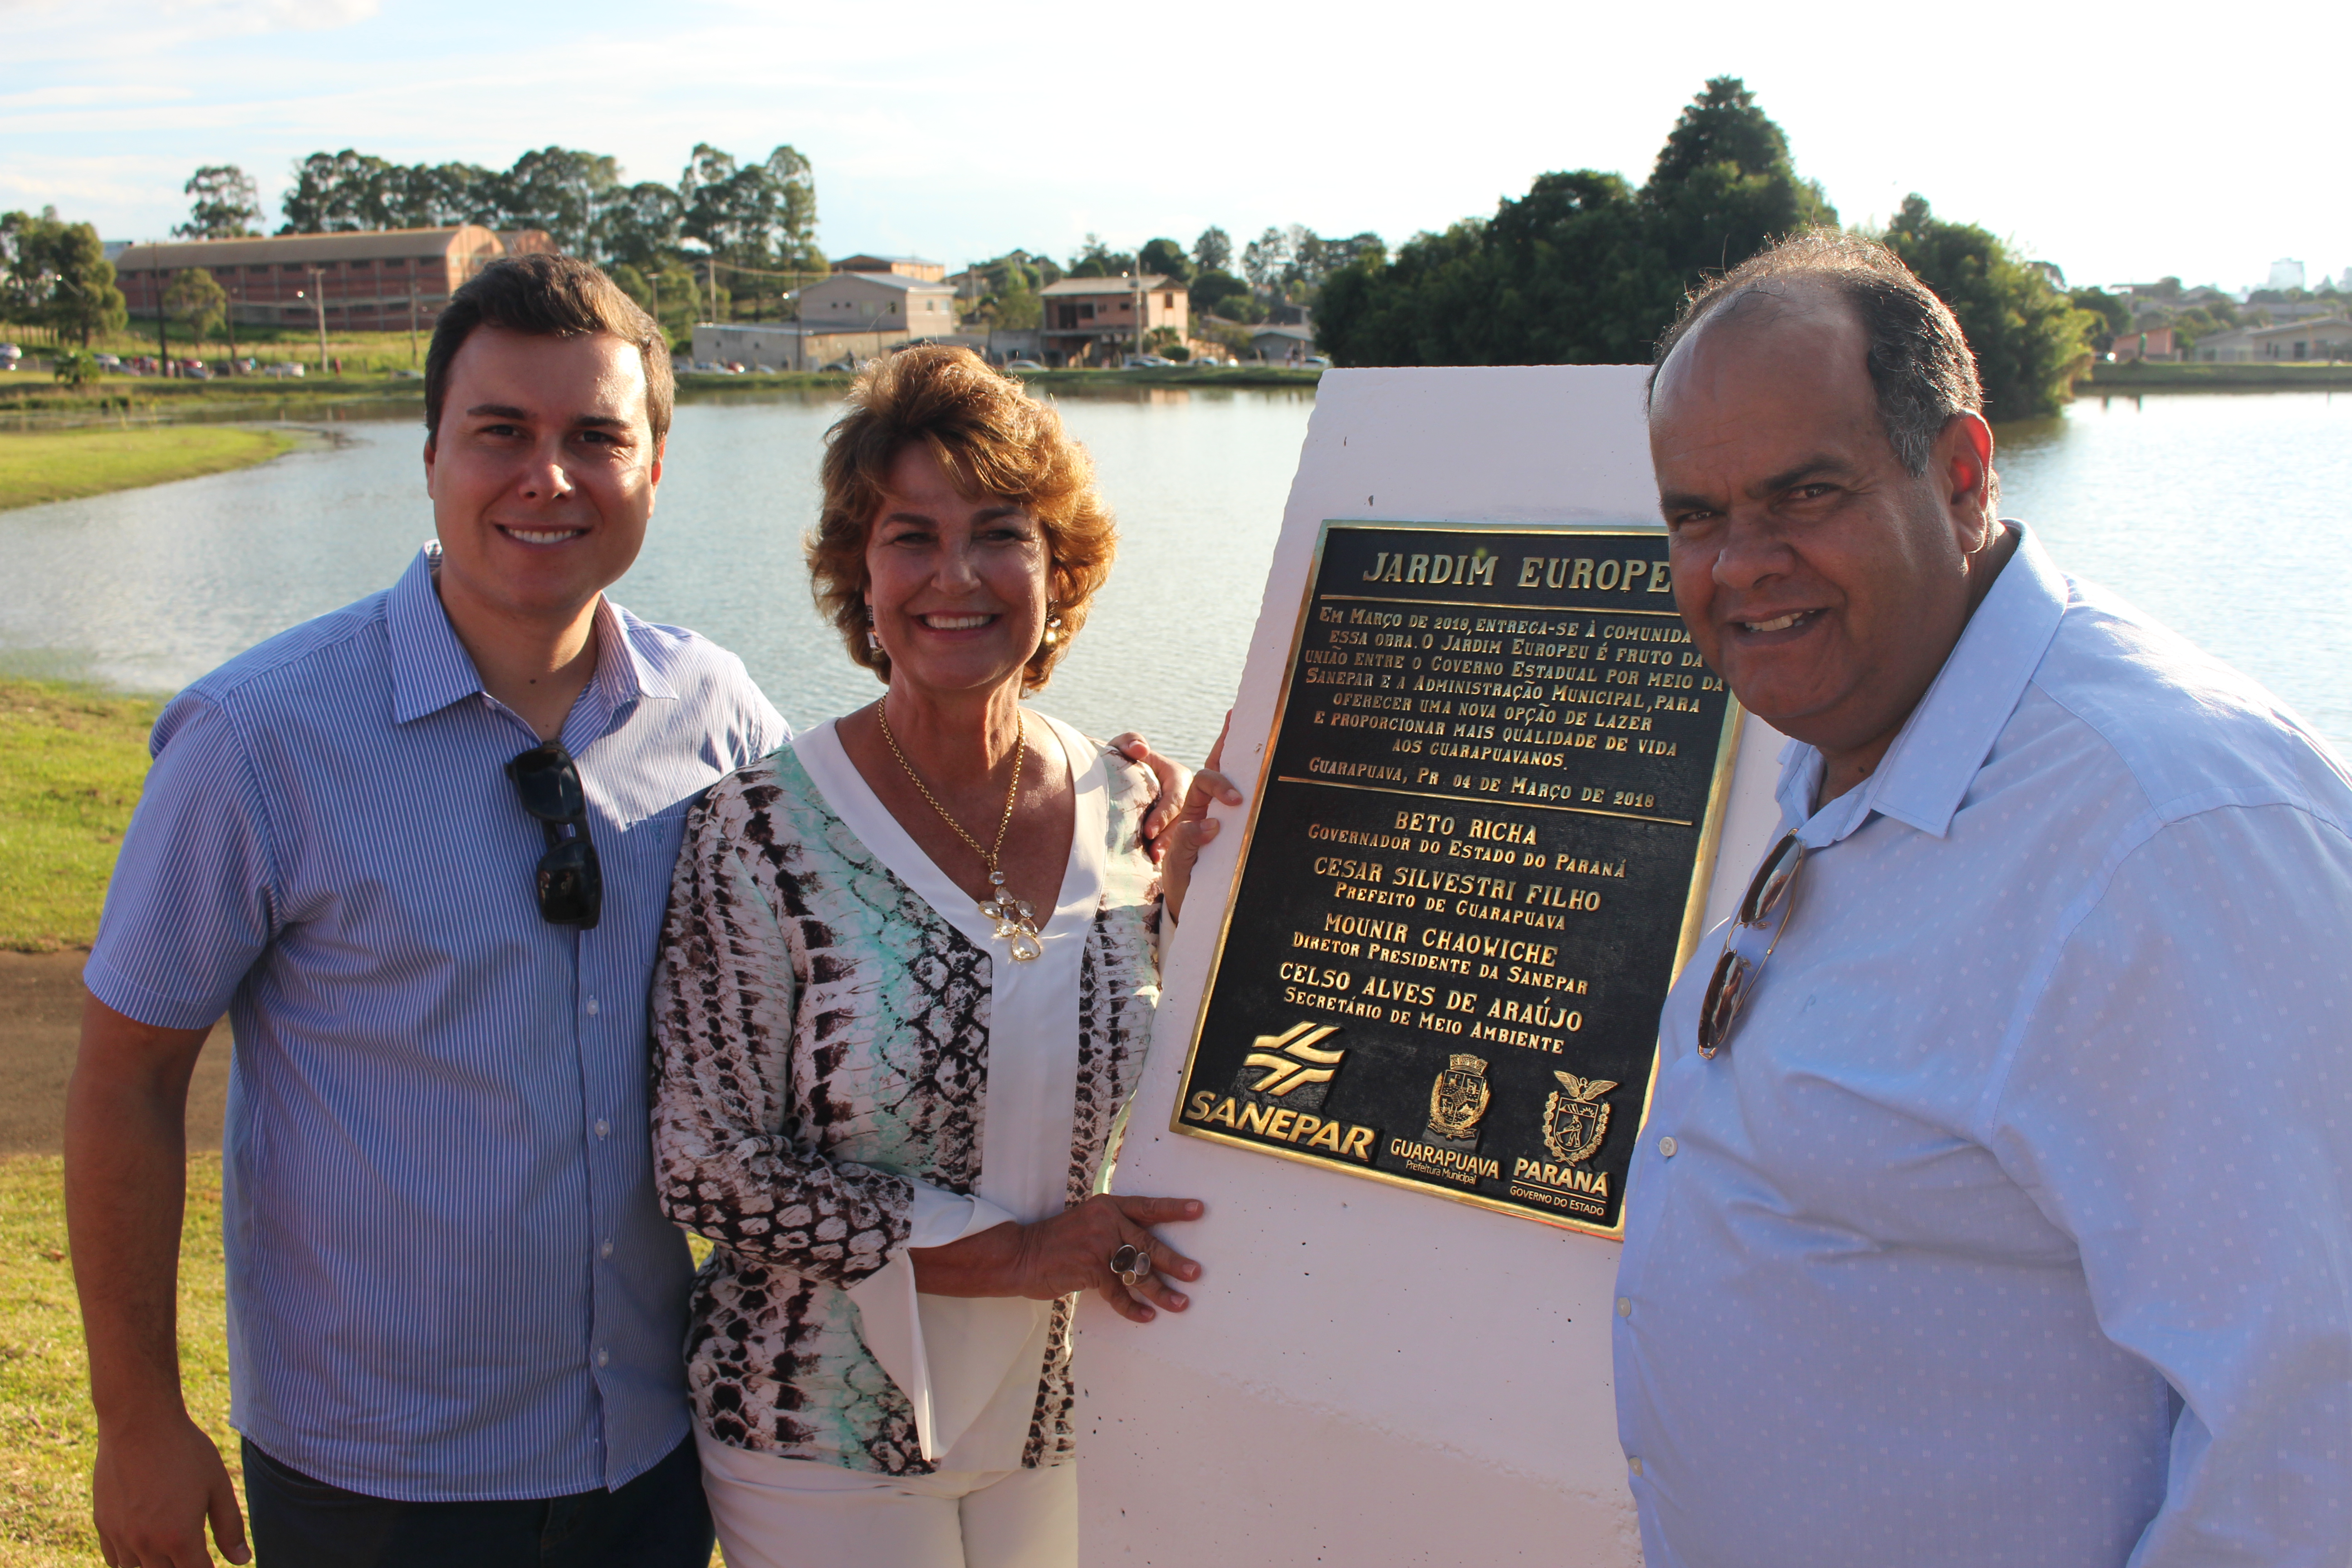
1052, 630
873, 640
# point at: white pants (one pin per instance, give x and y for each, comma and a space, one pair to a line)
792, 1513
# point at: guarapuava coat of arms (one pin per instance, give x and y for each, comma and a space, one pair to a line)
1459, 1097
1574, 1122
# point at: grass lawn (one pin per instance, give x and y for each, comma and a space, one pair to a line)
71, 763
48, 1434
38, 465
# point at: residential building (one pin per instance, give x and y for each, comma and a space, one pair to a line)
879, 302
2154, 343
1100, 321
2327, 338
376, 280
1283, 344
789, 345
2286, 273
915, 267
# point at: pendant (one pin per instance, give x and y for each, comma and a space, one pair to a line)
1016, 921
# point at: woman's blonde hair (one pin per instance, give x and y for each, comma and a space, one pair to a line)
988, 435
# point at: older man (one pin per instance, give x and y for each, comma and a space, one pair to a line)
1995, 1205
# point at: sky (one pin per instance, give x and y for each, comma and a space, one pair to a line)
957, 133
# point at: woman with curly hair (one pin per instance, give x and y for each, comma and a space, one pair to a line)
904, 988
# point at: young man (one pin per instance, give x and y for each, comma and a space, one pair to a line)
419, 850
1990, 1209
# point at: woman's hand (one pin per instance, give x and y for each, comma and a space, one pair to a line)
1071, 1251
1194, 827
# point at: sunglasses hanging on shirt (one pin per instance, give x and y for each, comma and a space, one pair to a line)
570, 883
1771, 895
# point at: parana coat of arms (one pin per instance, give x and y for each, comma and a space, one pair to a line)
1574, 1122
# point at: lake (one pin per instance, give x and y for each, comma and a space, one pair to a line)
2222, 515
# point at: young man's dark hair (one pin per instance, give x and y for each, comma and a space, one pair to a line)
543, 295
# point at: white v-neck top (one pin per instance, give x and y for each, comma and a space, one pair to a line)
968, 1364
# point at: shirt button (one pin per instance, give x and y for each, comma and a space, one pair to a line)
608, 1248
1666, 1146
1634, 1464
1624, 1306
603, 1357
601, 1128
591, 1006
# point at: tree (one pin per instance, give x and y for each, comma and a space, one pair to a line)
669, 292
195, 300
337, 193
558, 190
2030, 341
57, 276
72, 367
1165, 257
227, 205
1096, 259
638, 226
1263, 258
1723, 188
1581, 269
1214, 292
760, 215
1213, 251
2114, 316
1313, 259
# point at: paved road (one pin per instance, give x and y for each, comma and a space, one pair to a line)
40, 1021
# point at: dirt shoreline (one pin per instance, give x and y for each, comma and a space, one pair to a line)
41, 1025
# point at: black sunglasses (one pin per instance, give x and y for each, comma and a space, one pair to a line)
570, 883
1771, 897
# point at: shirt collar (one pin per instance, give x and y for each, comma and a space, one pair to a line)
431, 669
1927, 770
623, 676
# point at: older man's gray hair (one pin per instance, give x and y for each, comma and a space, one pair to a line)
1920, 363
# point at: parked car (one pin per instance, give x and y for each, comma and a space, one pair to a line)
283, 368
1315, 362
1022, 365
9, 354
1145, 361
107, 361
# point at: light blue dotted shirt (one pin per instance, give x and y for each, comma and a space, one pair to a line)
2013, 1226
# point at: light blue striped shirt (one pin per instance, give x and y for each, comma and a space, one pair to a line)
447, 1275
2014, 1225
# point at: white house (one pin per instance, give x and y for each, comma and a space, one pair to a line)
2327, 338
1283, 345
879, 302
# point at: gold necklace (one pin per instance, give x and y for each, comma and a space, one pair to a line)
1016, 921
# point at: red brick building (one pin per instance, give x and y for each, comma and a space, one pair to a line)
370, 281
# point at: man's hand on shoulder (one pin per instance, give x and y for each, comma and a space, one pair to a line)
155, 1485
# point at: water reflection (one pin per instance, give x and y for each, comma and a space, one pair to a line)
2219, 515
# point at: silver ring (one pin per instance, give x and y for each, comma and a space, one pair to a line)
1131, 1263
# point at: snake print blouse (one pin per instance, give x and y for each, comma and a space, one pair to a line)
821, 1035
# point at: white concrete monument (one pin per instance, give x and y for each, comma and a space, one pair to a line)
1400, 1350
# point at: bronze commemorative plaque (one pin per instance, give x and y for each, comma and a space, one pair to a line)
1478, 856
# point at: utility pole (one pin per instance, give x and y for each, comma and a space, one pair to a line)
319, 302
162, 332
411, 323
1139, 301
